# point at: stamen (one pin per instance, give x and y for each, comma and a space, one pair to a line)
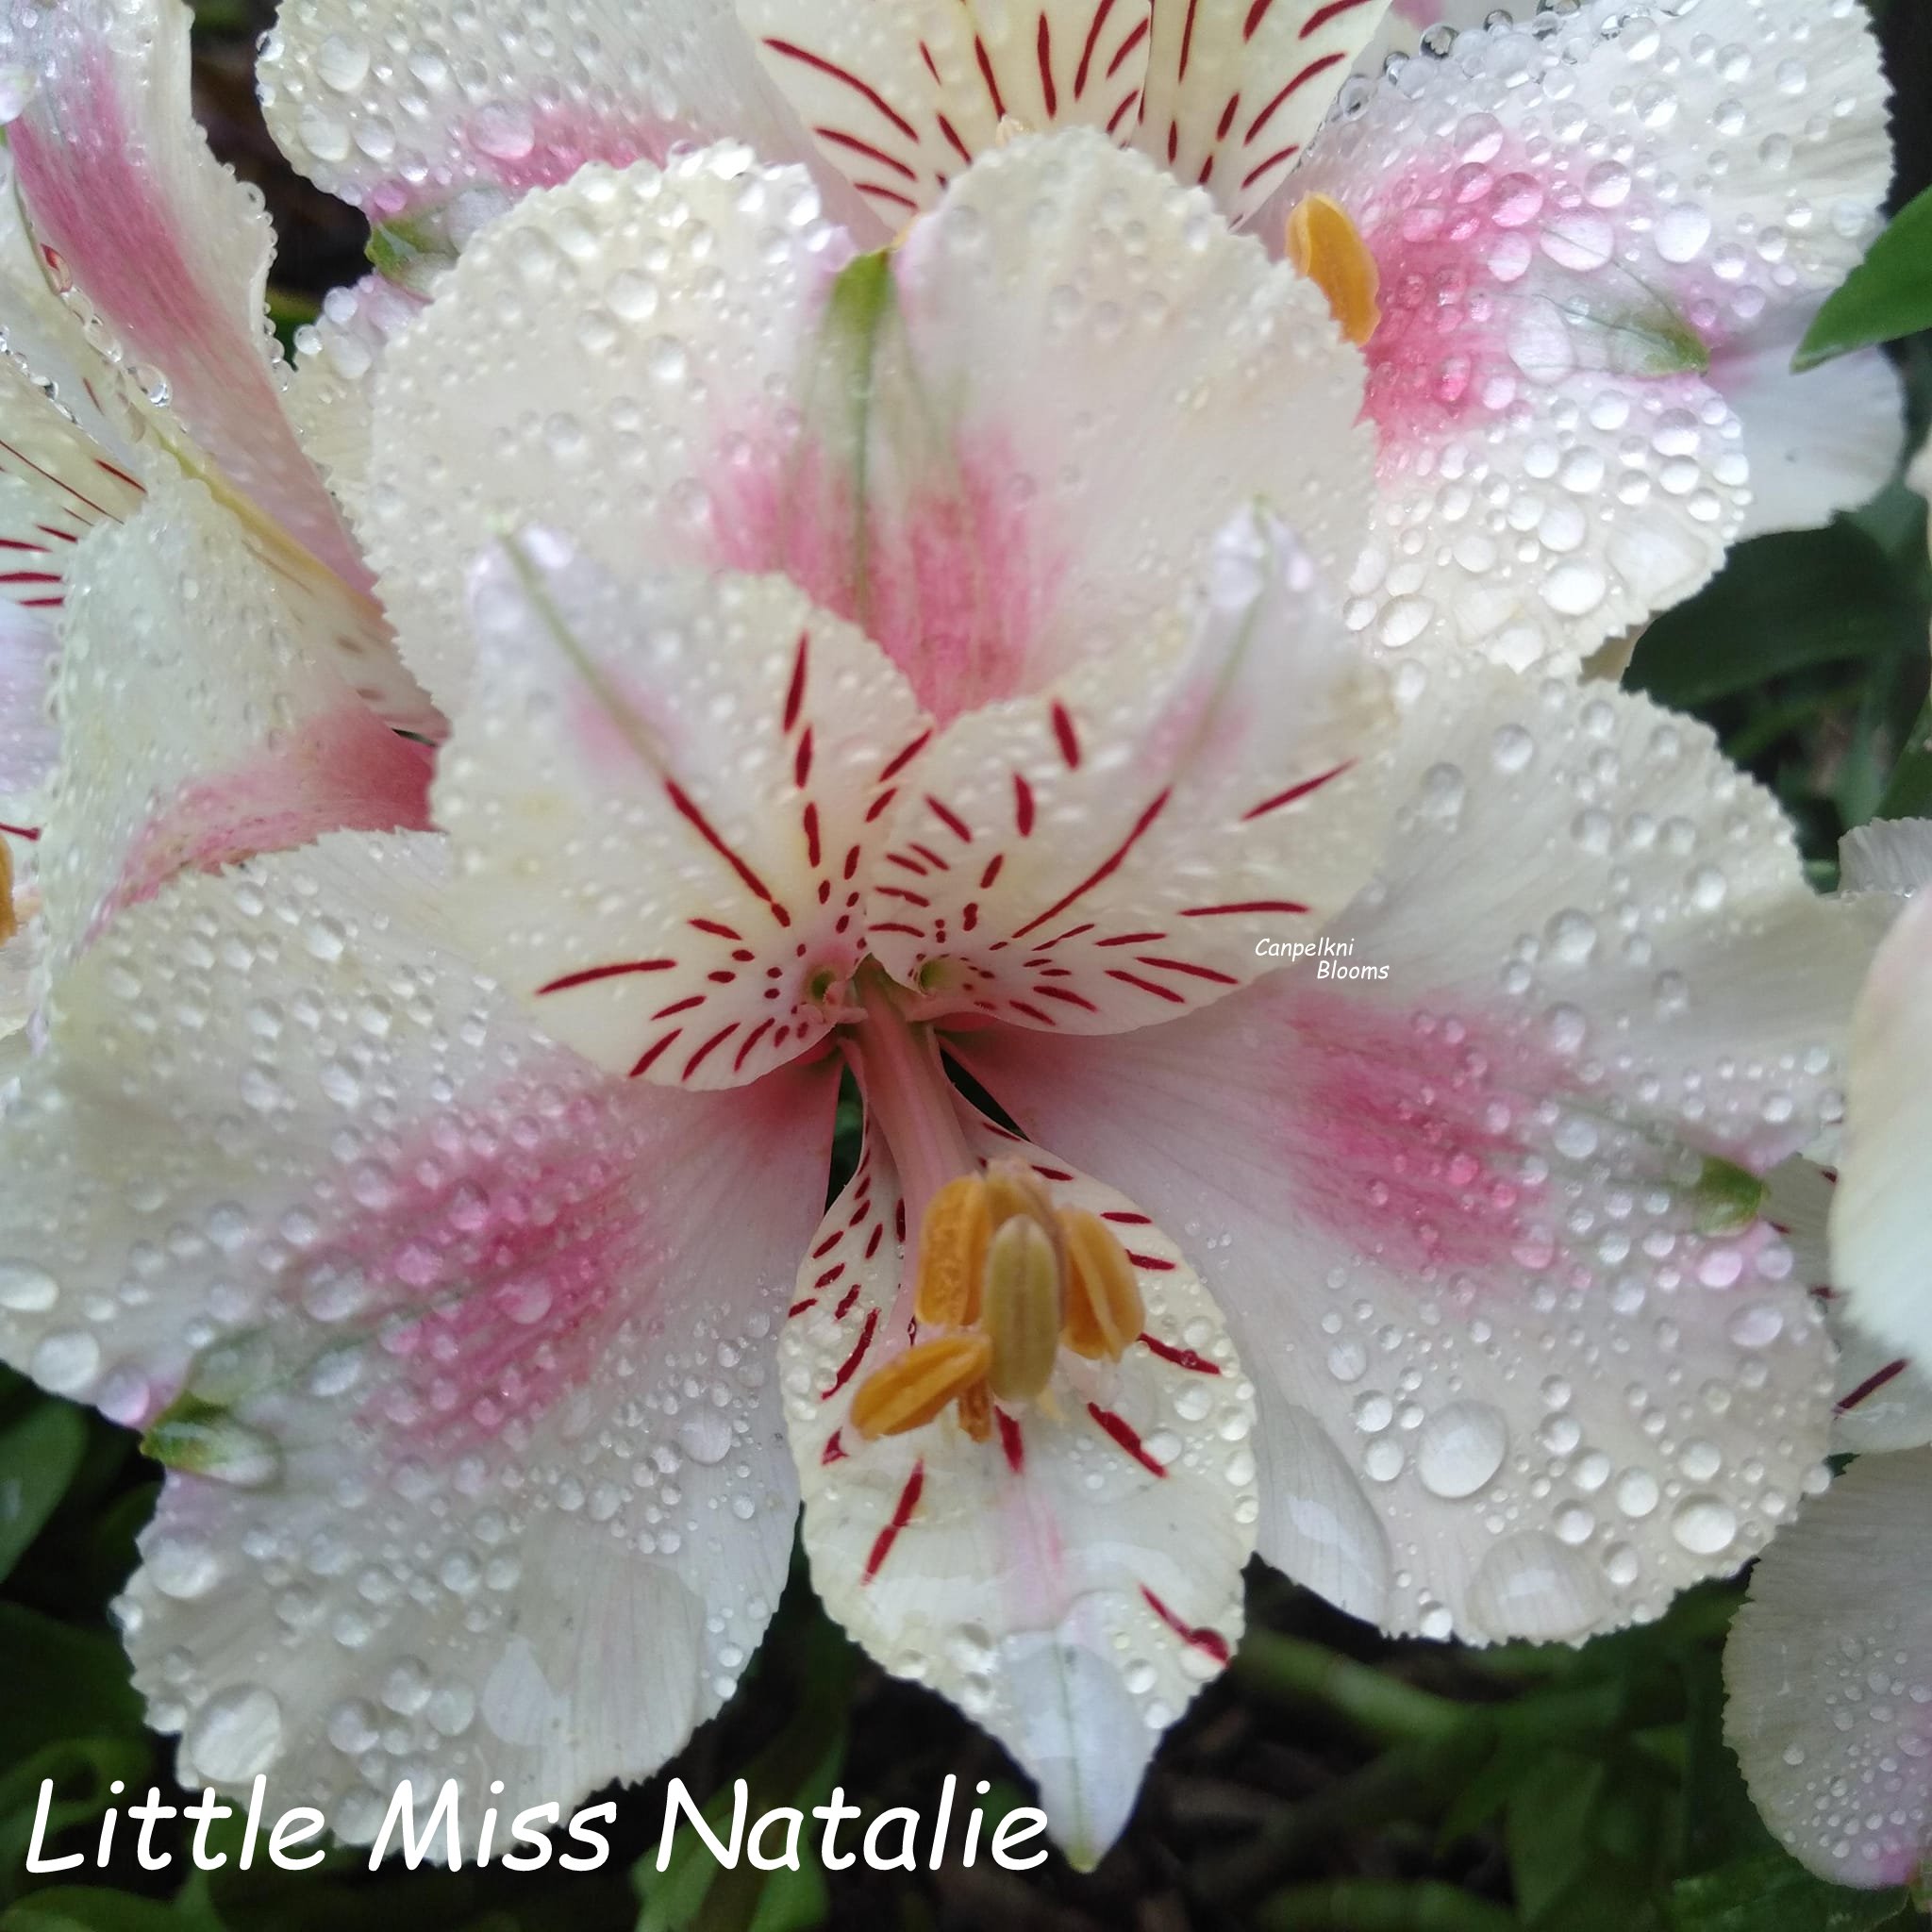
9, 925
952, 1255
1022, 1309
909, 1391
1328, 248
1104, 1307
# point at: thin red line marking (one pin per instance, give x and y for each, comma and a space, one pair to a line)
908, 1502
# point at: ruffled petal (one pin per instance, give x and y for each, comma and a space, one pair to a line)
1000, 449
1881, 1217
664, 798
449, 112
1133, 843
1484, 1229
163, 244
464, 1480
1072, 1581
203, 719
1827, 1668
902, 97
1823, 442
1575, 220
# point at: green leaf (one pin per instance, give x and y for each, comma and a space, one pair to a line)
1887, 295
39, 1455
1781, 603
1909, 793
1774, 1893
61, 1683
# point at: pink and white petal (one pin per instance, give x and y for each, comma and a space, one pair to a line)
664, 792
330, 396
1826, 1667
1113, 375
1529, 1361
1881, 1217
1071, 1583
463, 1480
1107, 855
1063, 366
1819, 442
162, 242
903, 97
202, 717
1612, 202
1237, 88
435, 107
584, 366
1891, 856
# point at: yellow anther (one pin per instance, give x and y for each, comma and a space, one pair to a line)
908, 1391
1022, 1311
952, 1253
1328, 248
1104, 1307
9, 925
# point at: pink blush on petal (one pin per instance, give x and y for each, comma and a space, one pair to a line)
951, 579
1404, 1133
344, 771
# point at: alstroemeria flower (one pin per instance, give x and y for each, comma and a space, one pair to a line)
177, 576
1829, 1660
1578, 252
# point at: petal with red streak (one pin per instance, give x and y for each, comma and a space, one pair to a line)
1069, 1583
666, 795
903, 97
1130, 845
464, 1479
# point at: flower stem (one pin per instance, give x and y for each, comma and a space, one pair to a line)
1286, 1668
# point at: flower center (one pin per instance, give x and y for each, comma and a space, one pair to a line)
1006, 1275
1328, 248
1011, 1279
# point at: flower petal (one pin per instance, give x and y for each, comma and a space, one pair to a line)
1575, 218
663, 796
163, 242
1827, 1665
1000, 449
452, 111
903, 96
597, 409
463, 1480
1069, 1583
1107, 855
1886, 855
1825, 441
202, 717
1881, 1219
1528, 1364
331, 395
1236, 88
